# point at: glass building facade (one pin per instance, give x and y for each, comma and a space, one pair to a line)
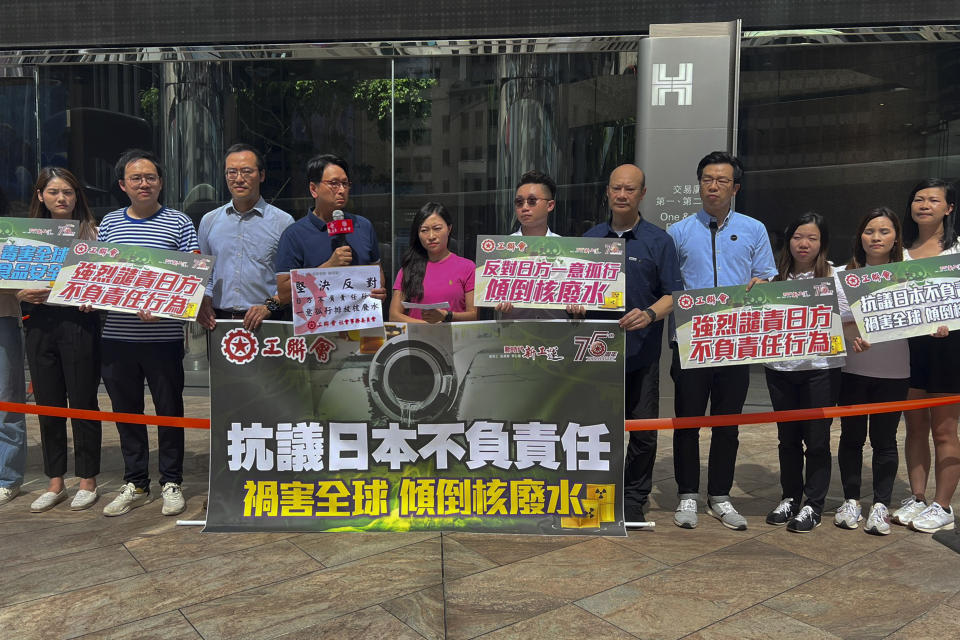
832, 120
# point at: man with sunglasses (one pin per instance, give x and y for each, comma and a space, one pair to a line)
653, 274
718, 247
243, 234
306, 244
532, 204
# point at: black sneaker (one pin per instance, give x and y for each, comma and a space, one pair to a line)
805, 521
783, 512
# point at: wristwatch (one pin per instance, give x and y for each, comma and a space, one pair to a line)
272, 305
448, 317
650, 312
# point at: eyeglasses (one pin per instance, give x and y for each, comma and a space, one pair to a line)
721, 182
336, 185
150, 178
246, 172
531, 201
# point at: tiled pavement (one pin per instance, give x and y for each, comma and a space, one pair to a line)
70, 575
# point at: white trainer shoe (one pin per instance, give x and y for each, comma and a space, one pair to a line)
173, 502
130, 498
934, 518
910, 508
848, 515
878, 522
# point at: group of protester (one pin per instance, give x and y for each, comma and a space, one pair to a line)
256, 244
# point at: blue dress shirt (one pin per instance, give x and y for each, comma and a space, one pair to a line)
245, 245
742, 251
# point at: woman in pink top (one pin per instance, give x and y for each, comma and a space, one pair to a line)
431, 273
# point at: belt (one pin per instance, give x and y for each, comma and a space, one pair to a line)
229, 314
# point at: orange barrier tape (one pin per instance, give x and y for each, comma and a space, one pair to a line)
107, 416
650, 424
653, 424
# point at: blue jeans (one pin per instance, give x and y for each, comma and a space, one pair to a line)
13, 426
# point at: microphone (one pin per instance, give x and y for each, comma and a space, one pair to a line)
338, 229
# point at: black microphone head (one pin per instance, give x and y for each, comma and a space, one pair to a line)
713, 223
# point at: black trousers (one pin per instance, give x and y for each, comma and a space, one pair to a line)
883, 435
804, 390
125, 366
63, 352
642, 400
726, 389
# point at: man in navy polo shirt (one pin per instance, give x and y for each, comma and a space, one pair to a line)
653, 274
306, 244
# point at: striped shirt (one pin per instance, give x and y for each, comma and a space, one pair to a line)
166, 229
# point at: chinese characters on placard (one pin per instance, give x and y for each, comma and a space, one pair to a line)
335, 299
132, 279
550, 272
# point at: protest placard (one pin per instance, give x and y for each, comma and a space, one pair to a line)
32, 251
903, 299
130, 278
789, 320
335, 299
540, 272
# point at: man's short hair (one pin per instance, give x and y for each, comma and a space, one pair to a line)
539, 177
132, 155
240, 147
318, 164
722, 157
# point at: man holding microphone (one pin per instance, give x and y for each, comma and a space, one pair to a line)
317, 239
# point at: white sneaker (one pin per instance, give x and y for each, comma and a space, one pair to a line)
910, 509
130, 498
173, 502
48, 500
932, 519
9, 493
848, 515
84, 499
878, 522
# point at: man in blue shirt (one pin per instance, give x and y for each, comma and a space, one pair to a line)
306, 244
243, 234
653, 274
717, 248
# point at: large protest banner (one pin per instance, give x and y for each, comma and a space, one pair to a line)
32, 251
904, 299
512, 427
790, 320
130, 278
540, 272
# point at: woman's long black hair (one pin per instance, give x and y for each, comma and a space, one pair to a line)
414, 263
